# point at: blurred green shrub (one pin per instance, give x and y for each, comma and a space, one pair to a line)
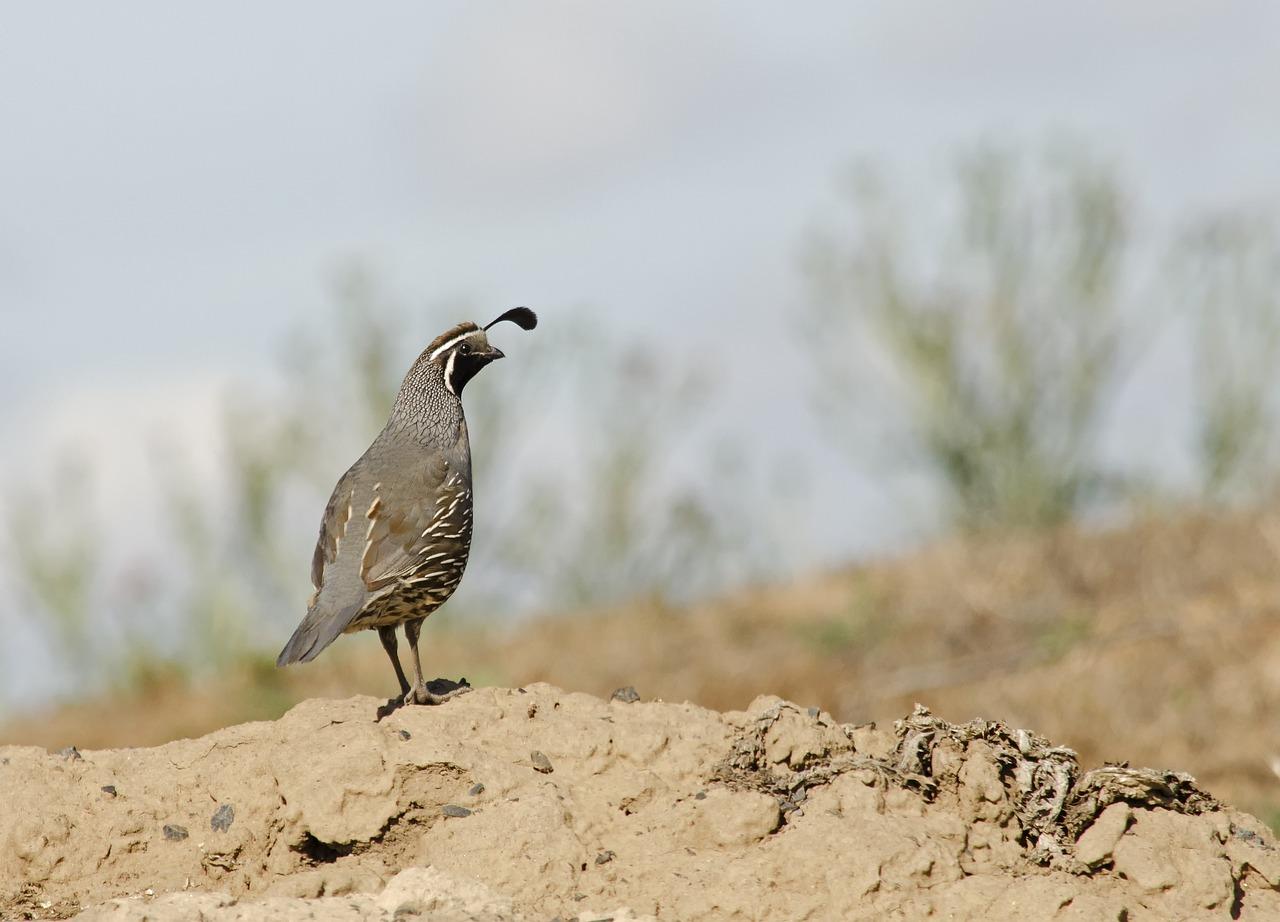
1003, 347
1226, 269
55, 550
996, 344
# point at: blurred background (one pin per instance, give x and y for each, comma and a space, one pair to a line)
889, 352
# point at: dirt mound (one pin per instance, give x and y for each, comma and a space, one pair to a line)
535, 803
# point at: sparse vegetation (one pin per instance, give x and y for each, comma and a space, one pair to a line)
998, 347
55, 548
1227, 271
1004, 354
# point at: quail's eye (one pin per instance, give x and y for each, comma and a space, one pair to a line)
465, 348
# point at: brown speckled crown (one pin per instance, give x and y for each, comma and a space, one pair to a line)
452, 333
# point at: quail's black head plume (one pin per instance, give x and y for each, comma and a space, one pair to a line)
396, 533
522, 317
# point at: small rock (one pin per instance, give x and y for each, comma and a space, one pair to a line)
109, 789
1097, 844
1247, 835
789, 810
627, 695
148, 892
70, 753
701, 795
223, 817
730, 819
540, 762
455, 810
533, 710
1145, 857
814, 712
404, 735
175, 833
605, 857
476, 790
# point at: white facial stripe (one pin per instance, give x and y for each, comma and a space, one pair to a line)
448, 373
449, 344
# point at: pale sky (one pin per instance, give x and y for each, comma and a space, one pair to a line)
177, 183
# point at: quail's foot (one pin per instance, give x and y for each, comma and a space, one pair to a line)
437, 691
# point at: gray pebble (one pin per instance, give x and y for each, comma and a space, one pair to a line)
540, 762
476, 790
454, 810
109, 789
605, 857
175, 833
814, 712
627, 695
404, 735
223, 817
70, 753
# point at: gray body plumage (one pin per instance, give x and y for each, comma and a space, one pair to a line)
396, 533
395, 536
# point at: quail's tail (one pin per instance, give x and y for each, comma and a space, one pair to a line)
317, 630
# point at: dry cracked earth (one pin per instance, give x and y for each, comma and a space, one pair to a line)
515, 804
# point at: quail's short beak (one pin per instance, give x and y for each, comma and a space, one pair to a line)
496, 353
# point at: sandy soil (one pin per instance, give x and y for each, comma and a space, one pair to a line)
537, 803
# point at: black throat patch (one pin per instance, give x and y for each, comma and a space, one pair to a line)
459, 368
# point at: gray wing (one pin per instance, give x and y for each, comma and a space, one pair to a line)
387, 524
375, 533
419, 522
324, 622
333, 525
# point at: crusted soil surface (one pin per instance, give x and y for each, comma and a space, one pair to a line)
536, 803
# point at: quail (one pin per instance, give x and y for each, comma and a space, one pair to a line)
396, 533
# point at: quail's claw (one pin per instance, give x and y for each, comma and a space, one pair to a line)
437, 691
424, 696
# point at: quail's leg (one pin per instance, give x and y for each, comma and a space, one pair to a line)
388, 637
420, 694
